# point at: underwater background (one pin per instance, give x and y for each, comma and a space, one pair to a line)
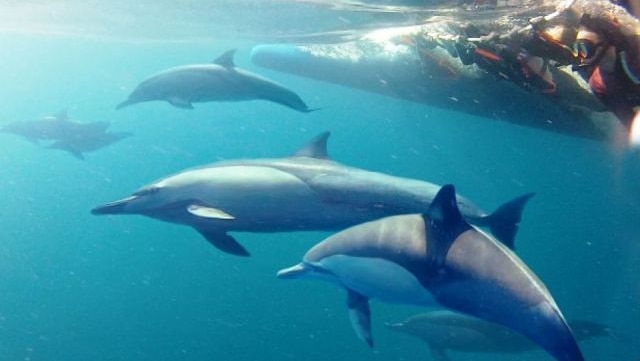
75, 287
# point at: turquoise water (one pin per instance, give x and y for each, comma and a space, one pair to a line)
75, 287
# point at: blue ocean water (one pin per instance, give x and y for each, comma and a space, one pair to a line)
75, 287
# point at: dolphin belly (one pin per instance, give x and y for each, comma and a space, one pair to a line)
377, 278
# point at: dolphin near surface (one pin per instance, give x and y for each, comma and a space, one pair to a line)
437, 259
306, 191
382, 62
220, 80
444, 330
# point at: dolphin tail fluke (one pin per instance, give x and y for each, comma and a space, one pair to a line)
224, 242
503, 222
360, 316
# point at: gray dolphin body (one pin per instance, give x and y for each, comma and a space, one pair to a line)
432, 259
306, 191
89, 141
444, 330
219, 81
382, 61
52, 127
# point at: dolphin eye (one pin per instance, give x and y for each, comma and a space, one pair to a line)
147, 191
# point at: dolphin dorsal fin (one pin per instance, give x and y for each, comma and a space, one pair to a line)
316, 148
226, 59
444, 224
62, 115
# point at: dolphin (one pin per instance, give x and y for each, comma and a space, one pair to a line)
88, 142
437, 259
396, 62
444, 330
50, 127
219, 81
306, 191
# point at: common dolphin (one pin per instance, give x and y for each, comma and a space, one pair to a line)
88, 142
437, 258
218, 81
306, 191
444, 330
50, 127
394, 62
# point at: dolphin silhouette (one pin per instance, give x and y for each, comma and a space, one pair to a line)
437, 258
219, 81
444, 330
88, 141
306, 191
51, 127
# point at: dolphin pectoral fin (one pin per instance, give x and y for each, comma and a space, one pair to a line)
226, 59
316, 148
180, 103
444, 223
360, 315
438, 354
62, 115
208, 212
76, 154
503, 222
224, 242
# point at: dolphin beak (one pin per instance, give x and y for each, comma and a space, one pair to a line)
117, 207
124, 104
292, 272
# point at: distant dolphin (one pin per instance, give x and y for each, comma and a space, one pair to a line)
436, 258
219, 81
306, 191
46, 128
88, 142
445, 330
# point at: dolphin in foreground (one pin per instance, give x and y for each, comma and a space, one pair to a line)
220, 80
437, 259
387, 61
444, 330
306, 191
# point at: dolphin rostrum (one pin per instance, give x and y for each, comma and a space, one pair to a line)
437, 259
306, 191
218, 81
444, 330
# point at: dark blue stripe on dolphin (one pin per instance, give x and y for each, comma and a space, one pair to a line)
438, 259
305, 191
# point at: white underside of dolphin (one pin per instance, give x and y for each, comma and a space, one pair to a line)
306, 191
436, 258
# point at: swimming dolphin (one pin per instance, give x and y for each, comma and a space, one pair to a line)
444, 330
219, 81
51, 127
390, 61
88, 142
306, 191
437, 259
